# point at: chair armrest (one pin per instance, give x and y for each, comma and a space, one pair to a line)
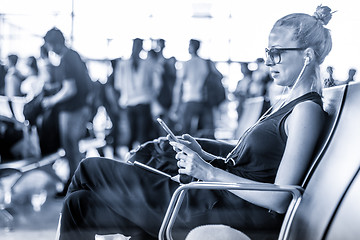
43, 161
178, 196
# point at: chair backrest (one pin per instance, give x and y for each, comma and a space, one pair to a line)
252, 109
346, 220
332, 177
333, 100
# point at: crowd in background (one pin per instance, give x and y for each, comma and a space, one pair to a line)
62, 100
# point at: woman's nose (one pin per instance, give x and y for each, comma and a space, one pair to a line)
269, 62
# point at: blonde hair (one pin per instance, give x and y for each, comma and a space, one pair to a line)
310, 31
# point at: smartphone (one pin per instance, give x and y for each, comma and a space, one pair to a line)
167, 129
183, 177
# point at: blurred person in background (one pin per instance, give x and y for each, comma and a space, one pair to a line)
110, 100
49, 143
242, 88
261, 78
330, 81
33, 83
71, 98
134, 80
168, 78
195, 71
351, 75
166, 74
2, 78
13, 77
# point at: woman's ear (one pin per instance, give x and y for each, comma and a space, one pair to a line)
309, 55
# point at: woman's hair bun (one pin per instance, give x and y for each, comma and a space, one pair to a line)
323, 14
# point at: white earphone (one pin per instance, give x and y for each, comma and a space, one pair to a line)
307, 60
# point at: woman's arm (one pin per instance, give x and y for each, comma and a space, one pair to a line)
207, 149
303, 127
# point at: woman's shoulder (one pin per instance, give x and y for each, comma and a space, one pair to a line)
307, 111
308, 106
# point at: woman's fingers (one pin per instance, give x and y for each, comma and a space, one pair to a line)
176, 144
187, 137
182, 171
183, 160
181, 156
181, 147
181, 163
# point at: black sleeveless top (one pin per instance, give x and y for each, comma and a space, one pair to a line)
258, 155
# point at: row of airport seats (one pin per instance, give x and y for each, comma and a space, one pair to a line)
12, 171
326, 205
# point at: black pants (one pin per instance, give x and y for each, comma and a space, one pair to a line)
108, 197
140, 124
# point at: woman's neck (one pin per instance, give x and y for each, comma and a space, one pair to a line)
303, 86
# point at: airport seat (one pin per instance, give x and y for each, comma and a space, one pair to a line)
12, 172
335, 165
333, 176
346, 219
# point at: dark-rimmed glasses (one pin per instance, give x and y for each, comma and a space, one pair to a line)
275, 53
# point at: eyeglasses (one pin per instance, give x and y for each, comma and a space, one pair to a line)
275, 53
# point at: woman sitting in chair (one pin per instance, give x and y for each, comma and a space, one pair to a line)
108, 196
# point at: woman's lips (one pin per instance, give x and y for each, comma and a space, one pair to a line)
274, 74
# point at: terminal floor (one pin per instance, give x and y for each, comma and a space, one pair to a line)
34, 225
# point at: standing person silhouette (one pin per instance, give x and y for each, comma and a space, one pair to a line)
351, 74
242, 88
110, 97
70, 99
33, 83
107, 196
134, 80
13, 77
194, 75
330, 81
167, 74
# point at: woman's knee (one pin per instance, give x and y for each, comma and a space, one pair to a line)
76, 199
94, 170
94, 162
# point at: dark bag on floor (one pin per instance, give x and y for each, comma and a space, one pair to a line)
159, 154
